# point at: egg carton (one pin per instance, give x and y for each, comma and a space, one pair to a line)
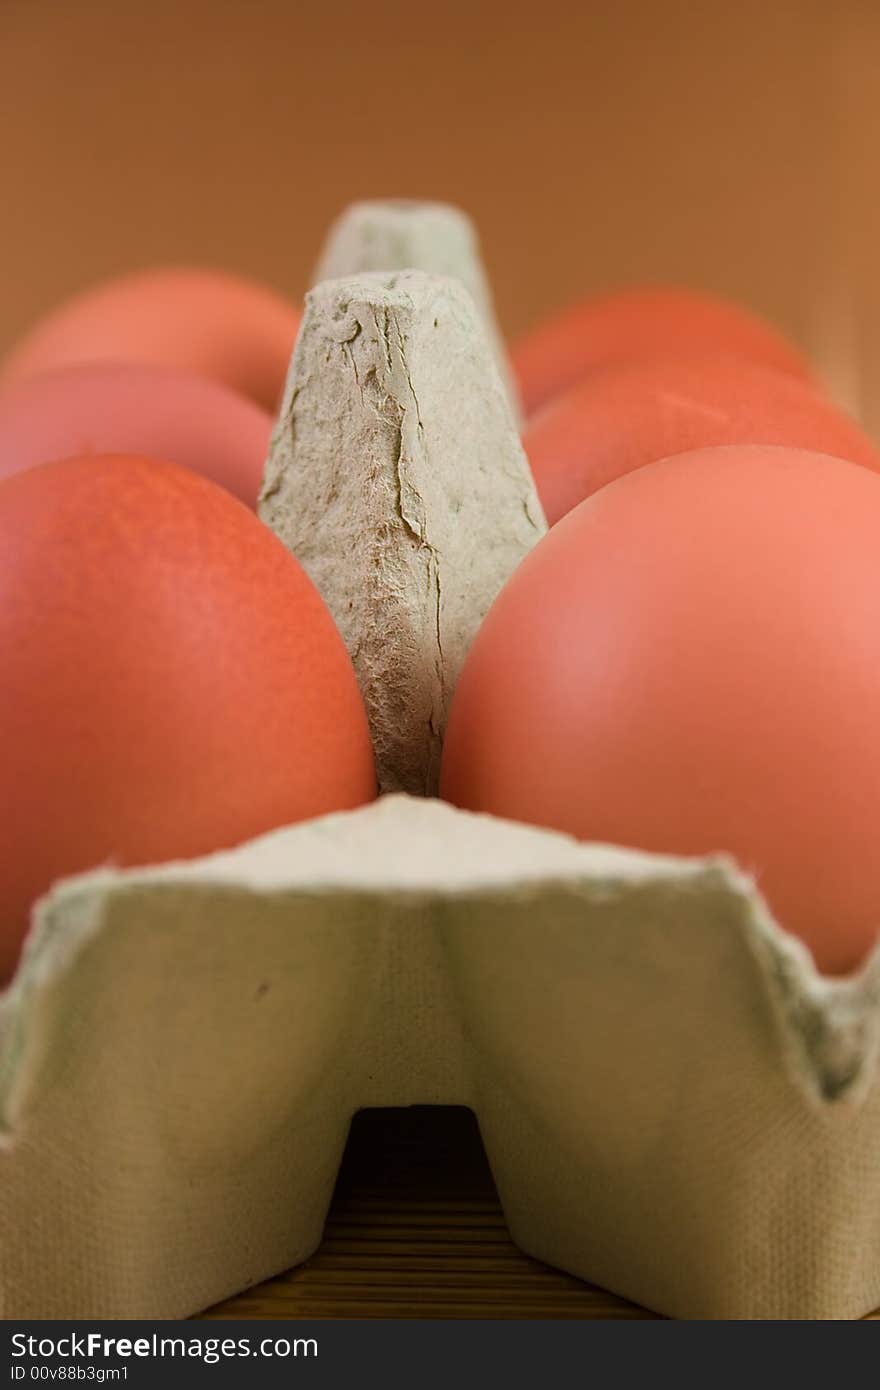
674, 1103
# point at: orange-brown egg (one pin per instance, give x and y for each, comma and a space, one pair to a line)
172, 683
637, 323
219, 325
690, 662
128, 408
627, 414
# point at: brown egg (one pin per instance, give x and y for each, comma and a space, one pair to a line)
172, 683
627, 414
652, 322
689, 662
219, 325
128, 408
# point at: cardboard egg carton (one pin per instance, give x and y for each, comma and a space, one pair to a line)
674, 1104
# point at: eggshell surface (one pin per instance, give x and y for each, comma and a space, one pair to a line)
157, 412
634, 323
221, 326
172, 681
627, 414
689, 662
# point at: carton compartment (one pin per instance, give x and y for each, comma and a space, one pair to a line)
673, 1104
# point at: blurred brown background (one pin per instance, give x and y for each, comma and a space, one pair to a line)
729, 146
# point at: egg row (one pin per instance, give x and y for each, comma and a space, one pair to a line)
189, 366
688, 662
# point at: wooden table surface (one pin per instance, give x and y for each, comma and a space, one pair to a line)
416, 1231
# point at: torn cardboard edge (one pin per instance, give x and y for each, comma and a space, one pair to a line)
395, 234
395, 449
423, 851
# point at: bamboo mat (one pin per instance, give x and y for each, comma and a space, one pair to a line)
416, 1231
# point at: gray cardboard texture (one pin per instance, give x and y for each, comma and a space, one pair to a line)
184, 1048
408, 234
397, 479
